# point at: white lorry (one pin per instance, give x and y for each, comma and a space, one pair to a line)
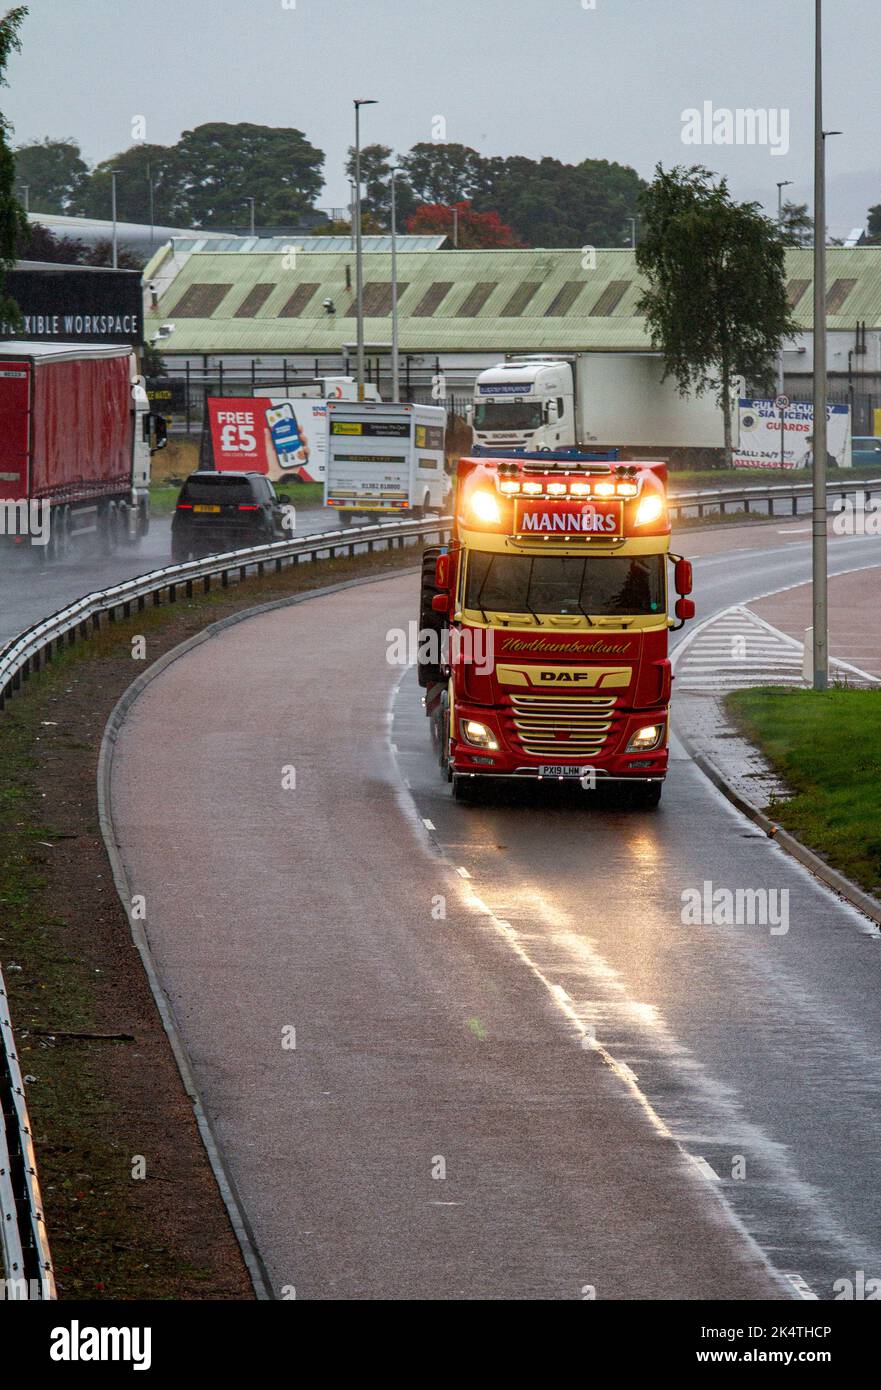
590, 400
385, 458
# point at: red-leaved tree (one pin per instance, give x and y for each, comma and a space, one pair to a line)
475, 229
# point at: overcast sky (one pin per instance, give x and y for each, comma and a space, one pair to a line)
533, 77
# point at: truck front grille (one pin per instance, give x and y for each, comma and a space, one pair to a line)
565, 726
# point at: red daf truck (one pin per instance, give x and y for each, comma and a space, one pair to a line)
76, 436
550, 612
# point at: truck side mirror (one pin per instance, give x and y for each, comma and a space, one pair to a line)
685, 609
441, 603
442, 574
551, 414
682, 573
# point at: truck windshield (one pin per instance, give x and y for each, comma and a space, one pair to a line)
507, 415
565, 584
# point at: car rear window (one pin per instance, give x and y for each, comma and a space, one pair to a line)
219, 489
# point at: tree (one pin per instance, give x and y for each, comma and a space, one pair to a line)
716, 302
12, 218
38, 243
54, 171
549, 203
796, 224
873, 224
137, 168
474, 229
443, 173
376, 174
217, 167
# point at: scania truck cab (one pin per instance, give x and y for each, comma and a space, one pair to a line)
550, 610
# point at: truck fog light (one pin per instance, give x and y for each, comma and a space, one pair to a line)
644, 739
478, 734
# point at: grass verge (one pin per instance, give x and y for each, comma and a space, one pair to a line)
711, 478
163, 495
103, 1085
827, 747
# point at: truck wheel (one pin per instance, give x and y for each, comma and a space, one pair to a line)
346, 519
60, 541
645, 796
109, 528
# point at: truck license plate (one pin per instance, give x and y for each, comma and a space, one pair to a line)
561, 770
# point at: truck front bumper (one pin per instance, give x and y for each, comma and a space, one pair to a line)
611, 761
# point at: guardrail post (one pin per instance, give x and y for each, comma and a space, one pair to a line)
795, 506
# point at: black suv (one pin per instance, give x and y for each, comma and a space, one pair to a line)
218, 511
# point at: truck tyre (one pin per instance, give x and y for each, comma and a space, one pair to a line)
346, 519
109, 528
429, 621
60, 540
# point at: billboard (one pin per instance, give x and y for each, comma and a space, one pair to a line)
274, 435
760, 435
76, 304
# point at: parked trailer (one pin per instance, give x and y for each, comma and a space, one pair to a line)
76, 437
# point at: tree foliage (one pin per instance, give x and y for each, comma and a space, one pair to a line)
716, 303
796, 224
12, 218
54, 172
473, 229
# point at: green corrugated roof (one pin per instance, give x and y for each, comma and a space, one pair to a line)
577, 295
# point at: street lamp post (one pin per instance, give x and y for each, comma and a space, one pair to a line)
113, 173
359, 267
251, 202
818, 519
784, 183
152, 218
396, 381
632, 221
26, 190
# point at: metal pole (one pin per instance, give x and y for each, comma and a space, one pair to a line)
352, 213
251, 201
26, 190
456, 227
359, 267
396, 383
780, 187
113, 214
150, 183
818, 525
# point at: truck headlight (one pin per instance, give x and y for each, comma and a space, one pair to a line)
645, 738
650, 509
478, 734
485, 507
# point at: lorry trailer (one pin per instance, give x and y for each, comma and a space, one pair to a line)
76, 438
590, 400
384, 458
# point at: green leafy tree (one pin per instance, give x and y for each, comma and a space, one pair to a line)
873, 224
549, 203
796, 224
136, 167
443, 173
716, 302
54, 172
12, 218
217, 167
376, 172
39, 243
